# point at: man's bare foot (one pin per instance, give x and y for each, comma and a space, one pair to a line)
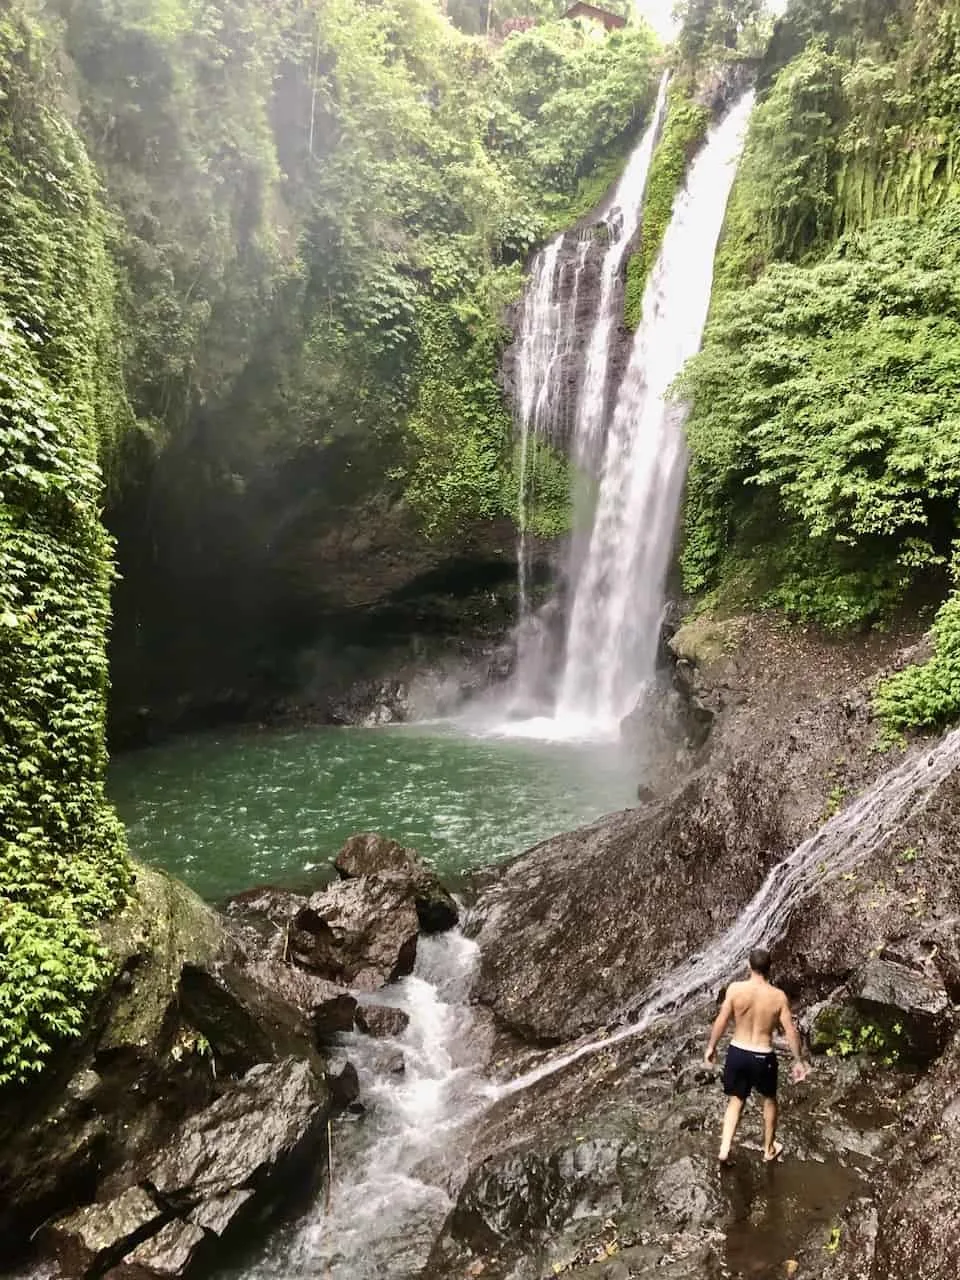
775, 1152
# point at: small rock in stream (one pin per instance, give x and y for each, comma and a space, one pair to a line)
370, 854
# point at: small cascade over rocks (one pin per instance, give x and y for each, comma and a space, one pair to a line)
630, 460
399, 1169
395, 1167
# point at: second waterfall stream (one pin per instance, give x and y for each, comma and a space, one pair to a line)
629, 445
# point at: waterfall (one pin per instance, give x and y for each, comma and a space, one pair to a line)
614, 618
623, 223
561, 394
635, 455
547, 336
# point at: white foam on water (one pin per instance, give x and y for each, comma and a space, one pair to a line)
392, 1195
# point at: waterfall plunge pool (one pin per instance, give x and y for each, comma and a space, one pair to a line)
225, 811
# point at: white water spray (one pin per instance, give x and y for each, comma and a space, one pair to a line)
393, 1191
623, 222
614, 620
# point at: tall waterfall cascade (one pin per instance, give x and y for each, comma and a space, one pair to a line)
630, 451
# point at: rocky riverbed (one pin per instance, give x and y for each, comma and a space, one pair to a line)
197, 1110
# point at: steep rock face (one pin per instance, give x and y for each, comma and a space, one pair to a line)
231, 1161
576, 928
607, 1167
141, 1068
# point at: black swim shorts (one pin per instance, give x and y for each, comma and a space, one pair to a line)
745, 1070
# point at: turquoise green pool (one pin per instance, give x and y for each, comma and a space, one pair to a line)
228, 810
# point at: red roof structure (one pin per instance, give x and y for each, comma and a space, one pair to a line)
612, 21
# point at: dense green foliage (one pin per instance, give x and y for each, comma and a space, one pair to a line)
826, 411
254, 253
825, 445
926, 696
684, 130
318, 199
62, 862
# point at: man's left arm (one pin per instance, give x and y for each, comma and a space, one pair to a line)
719, 1027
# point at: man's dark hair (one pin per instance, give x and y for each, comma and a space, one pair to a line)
760, 961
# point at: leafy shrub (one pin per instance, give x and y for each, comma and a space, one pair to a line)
683, 131
926, 696
824, 436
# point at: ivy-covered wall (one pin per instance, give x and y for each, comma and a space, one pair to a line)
62, 859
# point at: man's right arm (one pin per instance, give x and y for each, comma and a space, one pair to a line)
793, 1040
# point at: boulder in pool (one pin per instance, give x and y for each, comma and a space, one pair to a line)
370, 854
359, 932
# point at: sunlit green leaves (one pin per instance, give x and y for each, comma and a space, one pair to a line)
826, 397
62, 859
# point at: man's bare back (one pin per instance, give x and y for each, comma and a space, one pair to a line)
757, 1009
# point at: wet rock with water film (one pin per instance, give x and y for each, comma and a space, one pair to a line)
241, 1157
370, 854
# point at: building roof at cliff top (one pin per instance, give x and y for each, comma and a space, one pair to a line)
609, 20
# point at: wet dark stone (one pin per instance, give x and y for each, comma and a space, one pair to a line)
360, 932
382, 1021
327, 1008
895, 996
170, 1254
268, 1128
374, 855
93, 1238
345, 1087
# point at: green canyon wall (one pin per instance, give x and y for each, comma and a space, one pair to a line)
825, 442
255, 261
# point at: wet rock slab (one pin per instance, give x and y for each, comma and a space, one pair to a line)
576, 928
370, 854
359, 932
235, 1160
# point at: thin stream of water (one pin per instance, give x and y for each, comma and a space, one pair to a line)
841, 844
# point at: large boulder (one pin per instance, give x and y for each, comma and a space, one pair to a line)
232, 1162
369, 854
269, 1127
328, 1009
574, 930
359, 932
107, 1099
243, 1020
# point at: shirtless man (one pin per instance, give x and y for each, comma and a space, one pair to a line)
756, 1007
